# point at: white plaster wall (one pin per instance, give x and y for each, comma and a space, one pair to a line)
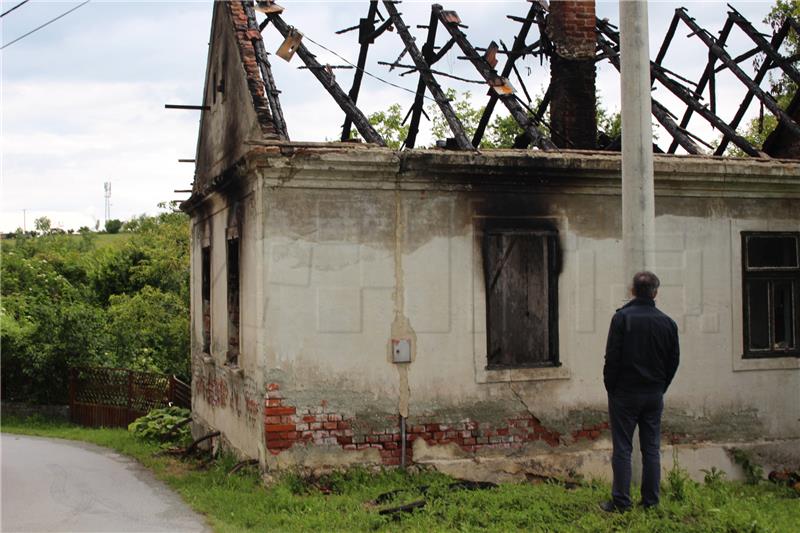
330, 306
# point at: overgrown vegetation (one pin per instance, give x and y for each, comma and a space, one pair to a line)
165, 426
342, 501
71, 300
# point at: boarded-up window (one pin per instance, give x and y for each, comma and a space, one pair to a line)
205, 269
521, 266
771, 293
233, 301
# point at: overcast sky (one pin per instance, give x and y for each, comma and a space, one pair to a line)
83, 99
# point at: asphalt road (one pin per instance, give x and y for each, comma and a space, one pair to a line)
58, 485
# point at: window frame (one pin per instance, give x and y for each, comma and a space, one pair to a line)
547, 231
232, 242
771, 275
205, 296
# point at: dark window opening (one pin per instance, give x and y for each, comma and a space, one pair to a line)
233, 301
521, 267
206, 297
771, 294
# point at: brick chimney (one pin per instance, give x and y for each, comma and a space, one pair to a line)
571, 28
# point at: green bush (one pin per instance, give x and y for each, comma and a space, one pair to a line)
76, 300
160, 425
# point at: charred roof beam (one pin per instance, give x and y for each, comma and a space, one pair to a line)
367, 33
419, 96
705, 78
776, 42
430, 82
723, 56
516, 51
493, 79
327, 80
270, 87
608, 41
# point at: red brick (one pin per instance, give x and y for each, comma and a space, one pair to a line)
280, 411
329, 425
309, 418
279, 444
439, 435
272, 419
417, 429
274, 402
334, 418
431, 427
275, 428
344, 425
469, 441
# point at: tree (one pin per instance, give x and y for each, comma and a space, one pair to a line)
113, 225
389, 125
501, 132
66, 301
42, 225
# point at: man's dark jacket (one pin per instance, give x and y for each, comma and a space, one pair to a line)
642, 351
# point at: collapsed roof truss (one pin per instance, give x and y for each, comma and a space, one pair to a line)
531, 121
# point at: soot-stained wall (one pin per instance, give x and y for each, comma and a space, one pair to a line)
345, 249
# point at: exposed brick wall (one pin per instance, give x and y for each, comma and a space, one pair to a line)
589, 432
285, 426
244, 38
571, 27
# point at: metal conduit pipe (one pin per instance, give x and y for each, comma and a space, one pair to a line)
402, 442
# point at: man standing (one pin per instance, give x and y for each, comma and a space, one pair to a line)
641, 359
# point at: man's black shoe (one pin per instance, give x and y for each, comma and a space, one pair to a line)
611, 507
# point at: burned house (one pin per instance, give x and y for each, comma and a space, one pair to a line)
449, 306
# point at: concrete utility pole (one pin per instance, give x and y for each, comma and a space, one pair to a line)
638, 198
638, 190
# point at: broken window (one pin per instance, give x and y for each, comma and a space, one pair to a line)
206, 297
771, 293
521, 266
233, 300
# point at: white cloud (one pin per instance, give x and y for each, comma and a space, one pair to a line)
83, 99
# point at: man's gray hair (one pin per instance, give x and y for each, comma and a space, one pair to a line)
645, 284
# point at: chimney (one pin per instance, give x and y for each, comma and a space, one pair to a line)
571, 28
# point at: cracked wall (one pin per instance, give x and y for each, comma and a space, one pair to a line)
340, 257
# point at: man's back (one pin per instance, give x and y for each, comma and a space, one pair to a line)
642, 351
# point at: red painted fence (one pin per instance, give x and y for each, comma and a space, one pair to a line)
115, 397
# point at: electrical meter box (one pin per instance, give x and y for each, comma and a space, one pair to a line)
401, 351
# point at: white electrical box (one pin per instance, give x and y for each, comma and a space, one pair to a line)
401, 351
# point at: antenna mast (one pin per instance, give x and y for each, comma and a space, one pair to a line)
107, 188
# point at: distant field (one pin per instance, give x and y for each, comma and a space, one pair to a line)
111, 239
102, 240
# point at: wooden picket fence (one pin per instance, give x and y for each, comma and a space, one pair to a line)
115, 397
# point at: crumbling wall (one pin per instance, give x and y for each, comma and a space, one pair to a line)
353, 253
238, 111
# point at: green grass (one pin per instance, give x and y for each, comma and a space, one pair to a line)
340, 502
